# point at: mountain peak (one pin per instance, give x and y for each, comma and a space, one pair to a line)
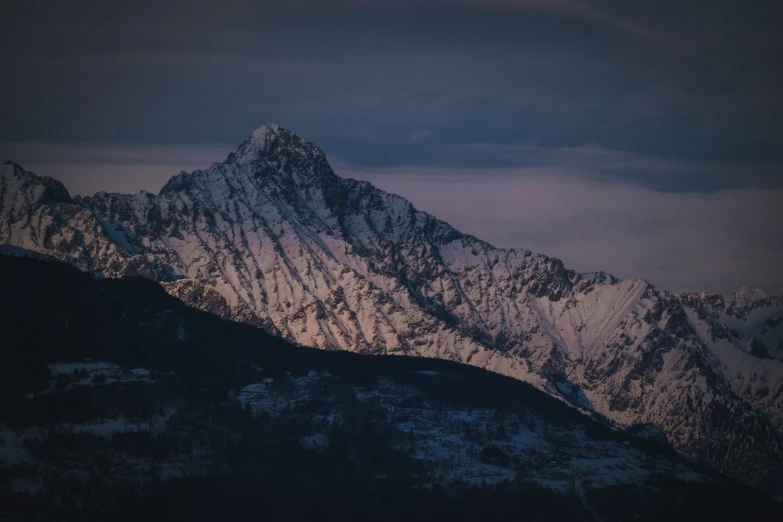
263, 135
747, 299
267, 128
271, 153
260, 141
749, 293
267, 141
43, 189
273, 146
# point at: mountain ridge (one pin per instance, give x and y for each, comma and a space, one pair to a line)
338, 264
124, 390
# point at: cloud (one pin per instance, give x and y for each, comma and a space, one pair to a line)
715, 241
661, 78
618, 167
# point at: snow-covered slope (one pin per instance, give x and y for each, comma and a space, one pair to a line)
128, 393
274, 237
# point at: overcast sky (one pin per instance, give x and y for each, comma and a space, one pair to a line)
642, 138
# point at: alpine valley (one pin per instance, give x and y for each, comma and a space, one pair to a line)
274, 238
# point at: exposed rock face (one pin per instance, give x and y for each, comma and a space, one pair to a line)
273, 237
205, 298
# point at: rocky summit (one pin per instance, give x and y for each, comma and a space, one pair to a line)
273, 237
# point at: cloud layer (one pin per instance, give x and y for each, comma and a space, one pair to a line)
393, 82
715, 241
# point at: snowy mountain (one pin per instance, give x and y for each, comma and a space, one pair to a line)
130, 405
273, 237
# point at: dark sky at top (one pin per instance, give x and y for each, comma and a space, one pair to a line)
676, 97
390, 82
